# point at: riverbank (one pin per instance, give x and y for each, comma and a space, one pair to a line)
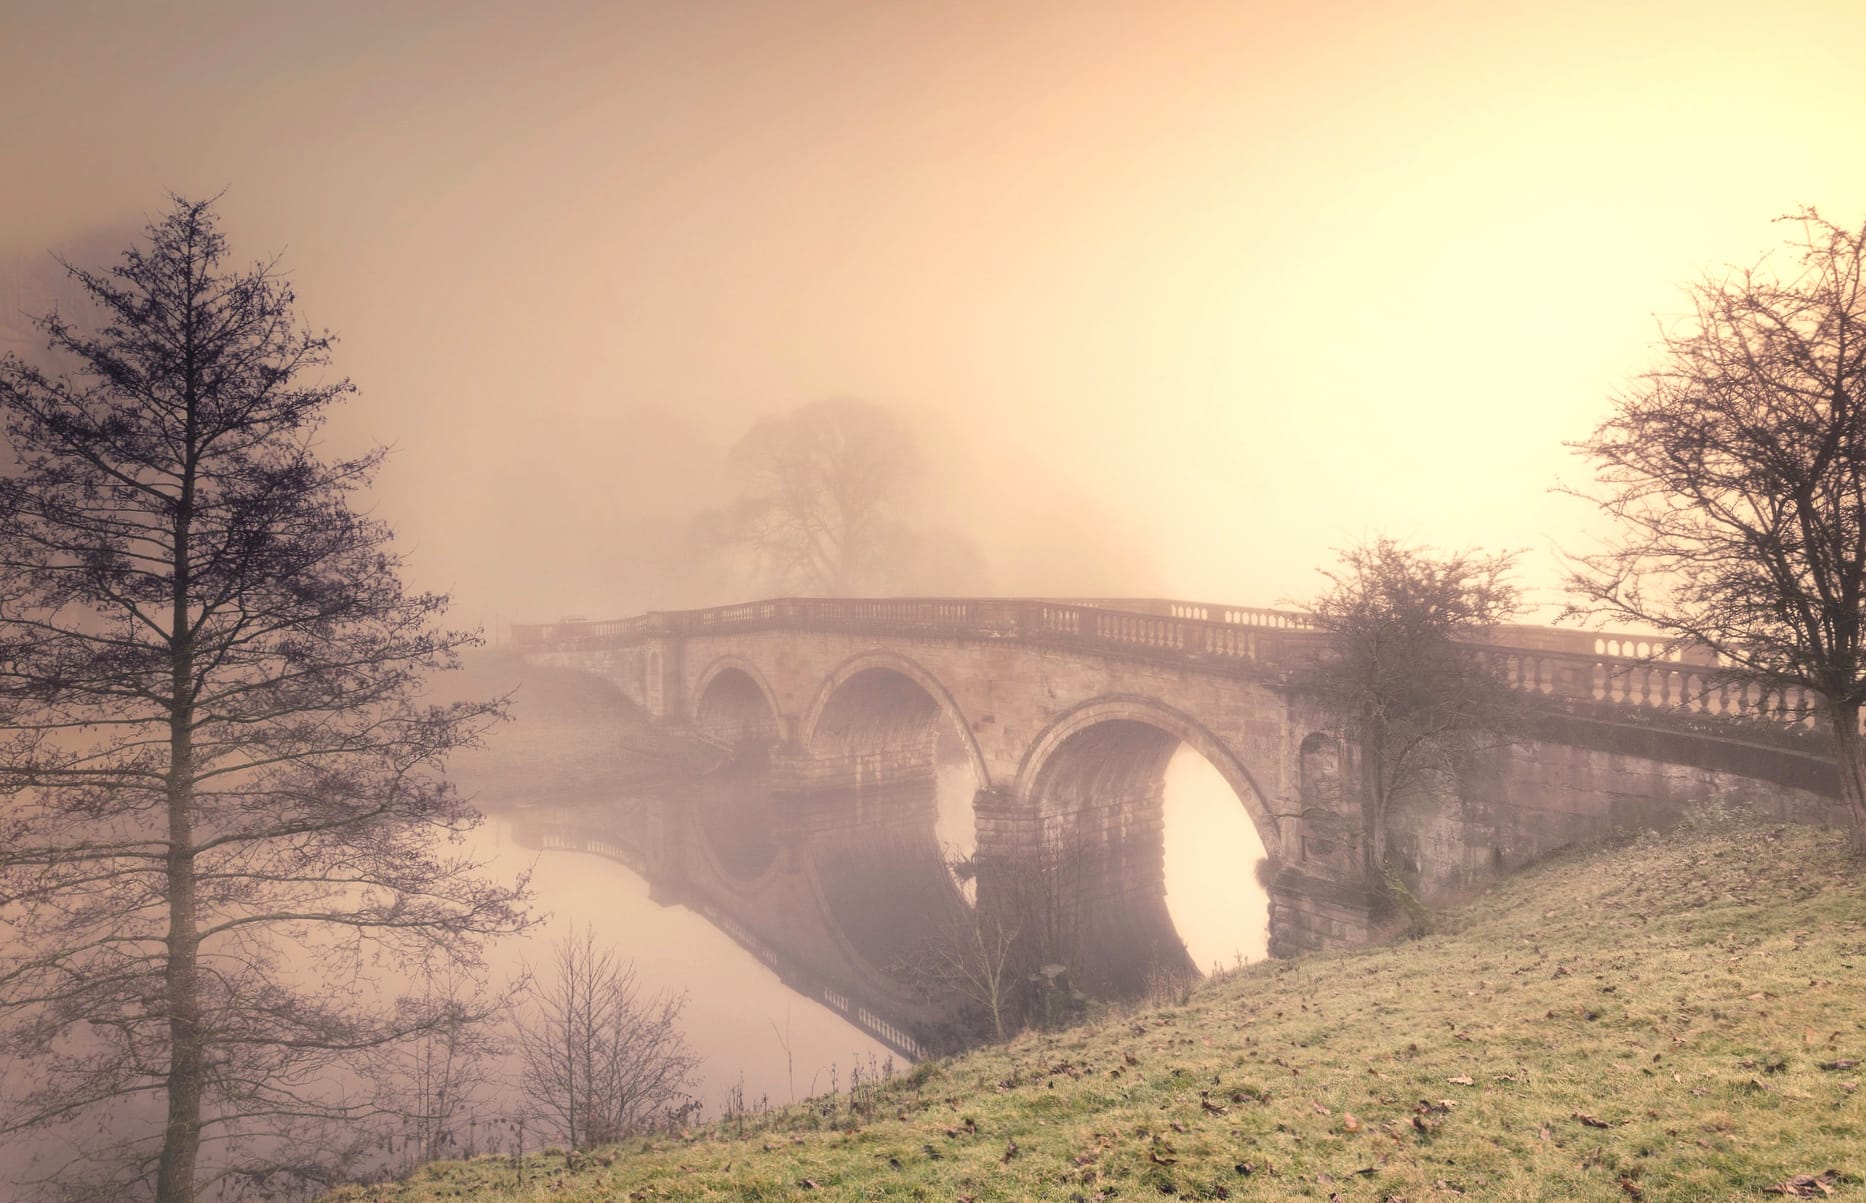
1681, 1017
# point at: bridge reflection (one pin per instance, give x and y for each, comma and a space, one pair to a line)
830, 725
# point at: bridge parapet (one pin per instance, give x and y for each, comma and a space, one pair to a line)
1629, 672
1152, 628
1684, 688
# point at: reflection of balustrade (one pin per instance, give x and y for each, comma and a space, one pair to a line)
574, 839
806, 983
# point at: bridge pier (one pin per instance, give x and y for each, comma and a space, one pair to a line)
1317, 914
794, 771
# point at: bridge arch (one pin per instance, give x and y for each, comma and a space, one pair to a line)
1151, 712
1094, 873
727, 696
894, 705
885, 740
733, 705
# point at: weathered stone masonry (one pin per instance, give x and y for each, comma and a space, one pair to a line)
1067, 712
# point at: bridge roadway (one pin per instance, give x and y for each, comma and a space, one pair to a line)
814, 844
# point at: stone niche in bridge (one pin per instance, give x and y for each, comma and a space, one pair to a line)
838, 723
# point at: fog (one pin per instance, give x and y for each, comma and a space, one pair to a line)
1166, 301
1177, 300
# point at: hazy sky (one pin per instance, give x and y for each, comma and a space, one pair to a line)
1240, 282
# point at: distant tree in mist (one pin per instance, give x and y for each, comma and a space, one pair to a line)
825, 504
227, 844
600, 1058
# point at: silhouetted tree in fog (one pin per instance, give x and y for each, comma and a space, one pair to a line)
824, 507
226, 837
1736, 474
1405, 674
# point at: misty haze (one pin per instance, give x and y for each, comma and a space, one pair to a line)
948, 601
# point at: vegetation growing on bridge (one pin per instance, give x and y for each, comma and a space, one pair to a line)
1405, 672
1675, 1018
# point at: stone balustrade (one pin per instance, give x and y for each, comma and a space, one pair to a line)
1634, 672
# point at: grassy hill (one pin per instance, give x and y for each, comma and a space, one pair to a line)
1682, 1017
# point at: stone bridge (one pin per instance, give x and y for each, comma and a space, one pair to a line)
817, 844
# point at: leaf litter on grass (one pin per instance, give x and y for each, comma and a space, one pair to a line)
1628, 1022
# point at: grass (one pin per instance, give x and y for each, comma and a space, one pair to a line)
1677, 1018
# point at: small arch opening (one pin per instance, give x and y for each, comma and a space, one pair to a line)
734, 711
734, 804
895, 840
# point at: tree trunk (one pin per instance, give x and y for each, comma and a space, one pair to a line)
1850, 752
181, 1139
1373, 804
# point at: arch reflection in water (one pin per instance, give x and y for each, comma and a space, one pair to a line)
955, 821
757, 1035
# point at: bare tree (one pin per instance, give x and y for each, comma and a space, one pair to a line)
1736, 472
824, 506
1405, 674
1013, 942
225, 832
975, 953
601, 1058
439, 1080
